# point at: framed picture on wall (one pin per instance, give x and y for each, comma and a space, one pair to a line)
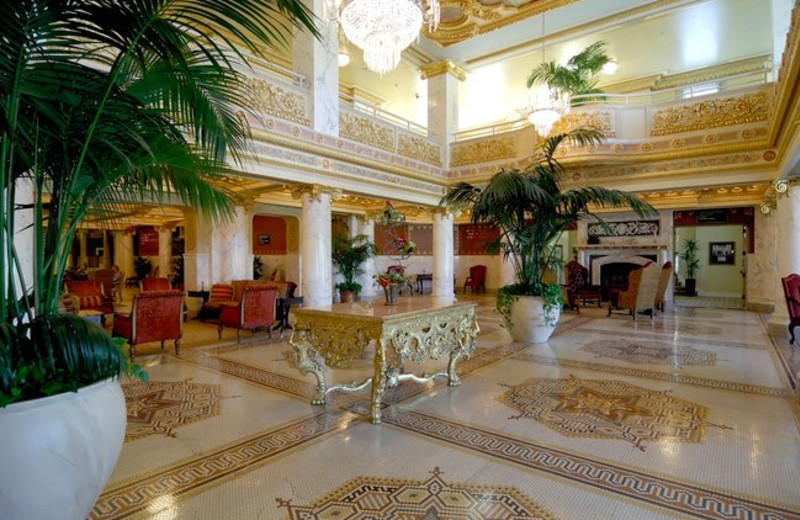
264, 239
721, 253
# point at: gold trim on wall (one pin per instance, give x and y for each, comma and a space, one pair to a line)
596, 119
420, 149
714, 113
366, 131
279, 102
482, 151
443, 67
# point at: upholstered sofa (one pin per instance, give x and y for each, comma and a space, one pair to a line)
90, 296
226, 294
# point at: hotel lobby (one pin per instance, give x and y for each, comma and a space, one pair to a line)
318, 318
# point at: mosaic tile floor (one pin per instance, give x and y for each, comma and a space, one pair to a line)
692, 416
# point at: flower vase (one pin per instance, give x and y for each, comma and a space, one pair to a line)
390, 291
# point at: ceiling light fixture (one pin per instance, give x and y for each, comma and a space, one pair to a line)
384, 28
610, 68
549, 104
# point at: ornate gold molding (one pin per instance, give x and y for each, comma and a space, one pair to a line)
482, 151
314, 191
366, 131
599, 120
714, 113
420, 149
748, 194
443, 67
279, 102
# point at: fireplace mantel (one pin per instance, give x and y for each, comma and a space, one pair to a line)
612, 247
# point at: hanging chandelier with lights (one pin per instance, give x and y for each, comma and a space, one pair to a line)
548, 106
384, 28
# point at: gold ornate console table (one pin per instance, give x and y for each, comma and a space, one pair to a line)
415, 330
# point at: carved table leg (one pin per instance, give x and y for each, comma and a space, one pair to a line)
467, 337
303, 358
378, 381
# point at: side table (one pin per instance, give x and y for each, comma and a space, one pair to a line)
282, 307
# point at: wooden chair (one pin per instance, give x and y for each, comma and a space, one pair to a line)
155, 284
255, 310
663, 282
154, 316
579, 286
640, 296
476, 280
791, 290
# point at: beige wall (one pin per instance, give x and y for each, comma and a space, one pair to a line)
714, 280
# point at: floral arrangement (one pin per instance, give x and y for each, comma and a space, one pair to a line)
389, 215
404, 246
391, 278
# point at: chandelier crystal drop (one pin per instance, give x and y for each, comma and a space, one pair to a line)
384, 28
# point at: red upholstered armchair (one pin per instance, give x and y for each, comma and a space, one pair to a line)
255, 310
155, 316
791, 290
155, 284
90, 295
476, 279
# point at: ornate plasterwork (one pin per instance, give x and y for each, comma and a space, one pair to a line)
599, 120
443, 67
420, 149
366, 131
279, 102
463, 19
314, 192
482, 151
714, 113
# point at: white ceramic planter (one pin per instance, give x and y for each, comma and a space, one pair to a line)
58, 452
528, 320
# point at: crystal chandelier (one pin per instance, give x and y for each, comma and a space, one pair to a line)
549, 105
384, 28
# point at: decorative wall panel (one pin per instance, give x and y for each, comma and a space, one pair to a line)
484, 150
279, 101
366, 131
420, 149
714, 113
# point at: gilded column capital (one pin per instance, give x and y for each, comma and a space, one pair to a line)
443, 67
314, 191
169, 227
245, 200
786, 186
443, 211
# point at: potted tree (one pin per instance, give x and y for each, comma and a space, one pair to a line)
579, 77
531, 208
689, 255
102, 104
348, 255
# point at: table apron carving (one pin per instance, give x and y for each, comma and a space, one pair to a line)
322, 340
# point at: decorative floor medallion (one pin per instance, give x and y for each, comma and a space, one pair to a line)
161, 406
370, 498
608, 409
641, 352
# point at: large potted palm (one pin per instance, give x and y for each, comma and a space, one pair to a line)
103, 104
349, 253
579, 77
532, 208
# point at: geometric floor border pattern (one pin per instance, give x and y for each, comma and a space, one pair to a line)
640, 335
370, 498
131, 496
688, 499
650, 353
716, 384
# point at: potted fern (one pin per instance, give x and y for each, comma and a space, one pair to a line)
532, 209
103, 104
348, 256
689, 255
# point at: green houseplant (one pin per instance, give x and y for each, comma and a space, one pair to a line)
689, 255
103, 103
532, 208
348, 255
578, 77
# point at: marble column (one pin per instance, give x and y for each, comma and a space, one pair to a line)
315, 244
443, 78
123, 251
366, 227
24, 231
165, 251
105, 260
787, 215
231, 255
83, 253
443, 255
316, 60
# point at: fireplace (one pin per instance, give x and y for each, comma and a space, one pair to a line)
611, 272
615, 277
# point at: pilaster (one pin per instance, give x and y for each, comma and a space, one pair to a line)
443, 78
316, 60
